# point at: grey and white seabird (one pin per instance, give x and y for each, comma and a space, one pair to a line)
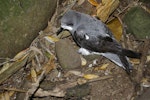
94, 37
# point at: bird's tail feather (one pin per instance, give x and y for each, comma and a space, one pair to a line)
131, 54
120, 60
126, 63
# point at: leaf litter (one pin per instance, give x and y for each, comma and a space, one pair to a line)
41, 60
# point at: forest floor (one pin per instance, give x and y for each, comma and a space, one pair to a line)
51, 68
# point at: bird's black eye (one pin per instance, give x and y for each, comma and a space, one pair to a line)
84, 36
70, 24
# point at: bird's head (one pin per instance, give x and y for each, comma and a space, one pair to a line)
68, 21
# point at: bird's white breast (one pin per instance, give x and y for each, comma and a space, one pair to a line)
67, 27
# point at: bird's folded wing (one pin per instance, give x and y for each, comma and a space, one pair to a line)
114, 58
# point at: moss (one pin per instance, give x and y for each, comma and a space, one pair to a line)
145, 1
137, 21
20, 22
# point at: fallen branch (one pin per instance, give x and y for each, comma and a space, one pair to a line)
14, 89
12, 69
35, 86
140, 69
60, 91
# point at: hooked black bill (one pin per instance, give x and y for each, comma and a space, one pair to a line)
60, 30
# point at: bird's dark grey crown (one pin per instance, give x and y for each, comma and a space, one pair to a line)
70, 18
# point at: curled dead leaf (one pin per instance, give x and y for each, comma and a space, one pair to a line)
145, 82
5, 67
33, 75
81, 81
93, 2
148, 58
90, 76
57, 93
5, 96
21, 55
116, 27
77, 73
13, 90
35, 49
51, 39
103, 67
80, 2
50, 65
83, 61
135, 61
106, 8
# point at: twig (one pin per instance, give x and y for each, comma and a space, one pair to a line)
12, 69
100, 78
42, 93
35, 86
38, 61
46, 49
10, 60
53, 19
117, 15
13, 89
60, 91
143, 60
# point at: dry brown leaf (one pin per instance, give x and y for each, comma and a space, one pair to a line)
5, 96
81, 81
135, 61
11, 93
103, 67
148, 59
13, 90
90, 76
83, 61
33, 75
35, 49
51, 39
116, 28
80, 2
77, 73
50, 65
5, 67
93, 2
106, 8
21, 55
145, 82
1, 96
41, 93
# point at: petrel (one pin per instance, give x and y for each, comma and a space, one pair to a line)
94, 37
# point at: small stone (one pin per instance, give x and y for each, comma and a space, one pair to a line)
67, 54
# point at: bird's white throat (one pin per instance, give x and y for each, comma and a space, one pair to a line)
67, 27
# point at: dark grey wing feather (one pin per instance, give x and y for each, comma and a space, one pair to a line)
126, 64
96, 42
101, 45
